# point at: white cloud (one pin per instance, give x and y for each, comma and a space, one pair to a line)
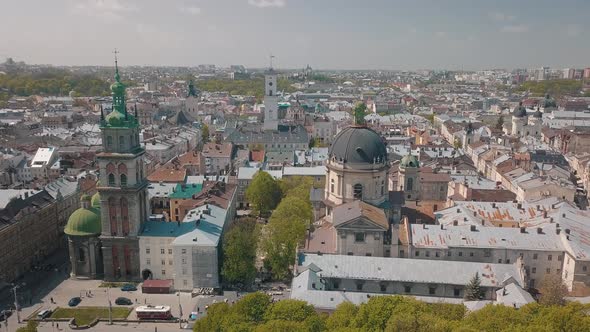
106, 9
501, 17
573, 30
191, 10
267, 3
518, 28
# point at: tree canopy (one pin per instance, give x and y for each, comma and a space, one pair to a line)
555, 87
263, 193
255, 312
553, 290
240, 243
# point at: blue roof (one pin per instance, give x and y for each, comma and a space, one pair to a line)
167, 229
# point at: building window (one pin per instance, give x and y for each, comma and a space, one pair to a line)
383, 288
508, 261
123, 180
449, 253
549, 257
163, 272
427, 253
81, 255
358, 191
500, 261
437, 254
121, 142
456, 292
407, 289
170, 262
184, 270
162, 251
147, 251
435, 207
409, 184
460, 254
534, 270
487, 253
109, 141
148, 261
535, 256
169, 251
471, 254
359, 237
368, 254
184, 282
183, 251
350, 253
163, 262
332, 185
359, 286
584, 268
559, 258
111, 179
183, 260
431, 290
417, 253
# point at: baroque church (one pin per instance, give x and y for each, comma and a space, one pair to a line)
103, 232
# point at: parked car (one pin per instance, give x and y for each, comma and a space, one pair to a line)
74, 301
128, 288
44, 314
4, 314
193, 316
123, 301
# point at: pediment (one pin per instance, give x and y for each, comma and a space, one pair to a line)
360, 223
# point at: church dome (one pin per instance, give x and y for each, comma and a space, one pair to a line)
549, 102
538, 114
95, 201
409, 161
115, 118
85, 221
519, 111
358, 146
118, 87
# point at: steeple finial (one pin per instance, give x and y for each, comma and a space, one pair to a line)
117, 77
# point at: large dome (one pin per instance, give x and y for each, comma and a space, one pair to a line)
95, 201
519, 111
358, 145
85, 221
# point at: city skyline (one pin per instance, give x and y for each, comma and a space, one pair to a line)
455, 35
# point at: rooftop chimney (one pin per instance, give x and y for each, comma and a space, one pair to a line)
523, 229
455, 222
473, 228
567, 231
539, 230
557, 231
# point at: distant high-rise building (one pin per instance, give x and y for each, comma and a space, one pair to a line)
568, 73
586, 73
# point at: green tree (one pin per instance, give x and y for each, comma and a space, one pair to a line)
249, 310
343, 316
239, 252
290, 310
473, 290
30, 327
553, 290
214, 319
205, 133
457, 143
359, 113
263, 193
492, 318
285, 230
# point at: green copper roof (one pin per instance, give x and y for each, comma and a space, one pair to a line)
95, 201
409, 161
186, 191
119, 117
85, 221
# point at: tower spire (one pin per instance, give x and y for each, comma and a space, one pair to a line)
117, 77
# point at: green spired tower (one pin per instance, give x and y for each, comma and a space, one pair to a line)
122, 189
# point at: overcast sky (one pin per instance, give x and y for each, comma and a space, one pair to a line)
326, 34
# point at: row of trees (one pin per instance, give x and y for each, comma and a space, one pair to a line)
249, 87
256, 312
277, 240
53, 82
555, 87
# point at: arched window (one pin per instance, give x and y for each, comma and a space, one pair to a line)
111, 179
125, 216
123, 180
122, 168
113, 215
357, 191
111, 168
410, 184
332, 186
81, 255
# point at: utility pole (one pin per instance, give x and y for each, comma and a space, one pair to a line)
16, 307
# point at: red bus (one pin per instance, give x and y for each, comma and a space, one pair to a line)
153, 312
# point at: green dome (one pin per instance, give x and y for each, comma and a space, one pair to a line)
95, 201
118, 87
84, 222
409, 161
115, 118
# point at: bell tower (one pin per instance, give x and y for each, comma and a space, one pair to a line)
271, 104
122, 188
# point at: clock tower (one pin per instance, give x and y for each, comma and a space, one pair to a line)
271, 104
122, 188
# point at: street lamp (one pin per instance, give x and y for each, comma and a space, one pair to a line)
16, 307
110, 305
180, 310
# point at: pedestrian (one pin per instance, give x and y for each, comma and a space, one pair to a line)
52, 300
135, 300
57, 325
52, 324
